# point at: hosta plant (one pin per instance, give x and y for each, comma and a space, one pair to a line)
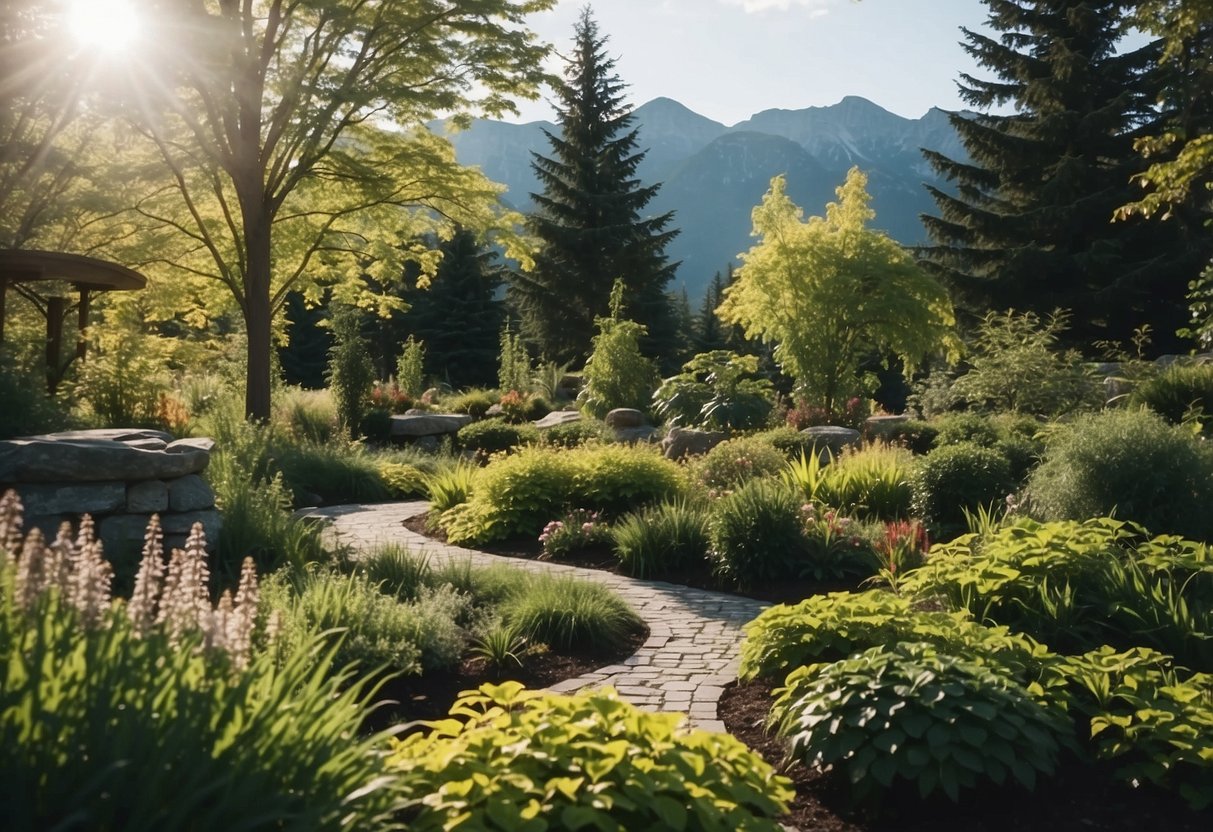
826, 628
911, 715
515, 759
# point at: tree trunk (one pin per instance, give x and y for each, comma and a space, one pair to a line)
257, 318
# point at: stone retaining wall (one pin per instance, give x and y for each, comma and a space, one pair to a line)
120, 477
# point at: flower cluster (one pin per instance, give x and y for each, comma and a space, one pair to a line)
172, 599
578, 529
852, 414
389, 396
515, 406
904, 547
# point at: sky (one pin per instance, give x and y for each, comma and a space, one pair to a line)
728, 59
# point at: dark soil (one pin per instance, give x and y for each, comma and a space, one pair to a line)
1078, 797
429, 696
603, 558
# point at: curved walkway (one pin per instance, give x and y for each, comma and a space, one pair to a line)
693, 634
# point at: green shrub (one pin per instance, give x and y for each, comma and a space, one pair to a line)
516, 759
350, 373
105, 729
493, 436
757, 534
306, 415
829, 628
410, 372
717, 390
576, 434
788, 441
662, 539
378, 631
873, 482
1178, 393
336, 472
1130, 463
474, 403
395, 571
916, 435
616, 373
953, 478
450, 485
974, 428
910, 714
403, 480
27, 408
514, 364
570, 614
1080, 585
735, 461
1152, 724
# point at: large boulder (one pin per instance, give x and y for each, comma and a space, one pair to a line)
680, 442
558, 417
625, 417
74, 498
48, 459
428, 424
833, 438
112, 434
879, 427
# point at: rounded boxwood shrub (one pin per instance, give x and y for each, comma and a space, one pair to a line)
913, 715
736, 460
494, 436
517, 759
954, 478
788, 441
474, 403
575, 434
966, 427
916, 434
1177, 391
757, 534
1132, 464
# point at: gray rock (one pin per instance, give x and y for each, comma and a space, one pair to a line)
65, 498
644, 433
147, 497
1116, 390
91, 460
558, 417
112, 434
625, 417
122, 534
416, 411
680, 442
429, 444
147, 444
190, 493
832, 437
47, 524
876, 427
196, 443
182, 523
494, 410
429, 424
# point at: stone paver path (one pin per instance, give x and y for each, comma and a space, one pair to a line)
693, 634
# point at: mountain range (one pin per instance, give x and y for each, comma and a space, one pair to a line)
713, 175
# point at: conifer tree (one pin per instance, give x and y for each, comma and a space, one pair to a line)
1028, 222
590, 218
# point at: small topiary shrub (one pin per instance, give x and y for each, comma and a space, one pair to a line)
953, 478
975, 428
788, 441
515, 759
735, 461
829, 628
757, 534
575, 434
662, 539
911, 715
1133, 464
1182, 391
493, 436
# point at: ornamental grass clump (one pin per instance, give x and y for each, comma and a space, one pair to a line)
661, 539
157, 714
912, 715
515, 759
569, 614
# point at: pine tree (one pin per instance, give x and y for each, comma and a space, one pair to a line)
590, 219
459, 316
1028, 225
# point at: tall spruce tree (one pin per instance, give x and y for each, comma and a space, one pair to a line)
1028, 223
589, 218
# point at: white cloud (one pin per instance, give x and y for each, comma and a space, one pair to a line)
816, 8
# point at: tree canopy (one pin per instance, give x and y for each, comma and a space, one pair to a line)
829, 291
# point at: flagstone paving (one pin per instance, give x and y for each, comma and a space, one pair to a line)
694, 634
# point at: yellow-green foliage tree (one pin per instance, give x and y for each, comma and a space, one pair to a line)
829, 291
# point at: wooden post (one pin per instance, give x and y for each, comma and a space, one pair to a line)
54, 340
82, 324
3, 295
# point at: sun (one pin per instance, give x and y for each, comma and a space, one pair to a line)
109, 25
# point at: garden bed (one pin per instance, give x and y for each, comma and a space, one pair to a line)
1079, 797
603, 558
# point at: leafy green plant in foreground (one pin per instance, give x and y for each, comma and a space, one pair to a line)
910, 714
509, 757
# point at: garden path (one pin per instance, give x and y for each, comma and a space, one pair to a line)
694, 634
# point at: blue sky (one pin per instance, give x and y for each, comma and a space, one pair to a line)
728, 59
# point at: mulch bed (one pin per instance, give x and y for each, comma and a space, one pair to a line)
429, 696
1076, 798
603, 558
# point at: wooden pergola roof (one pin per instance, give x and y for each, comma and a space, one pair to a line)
21, 266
